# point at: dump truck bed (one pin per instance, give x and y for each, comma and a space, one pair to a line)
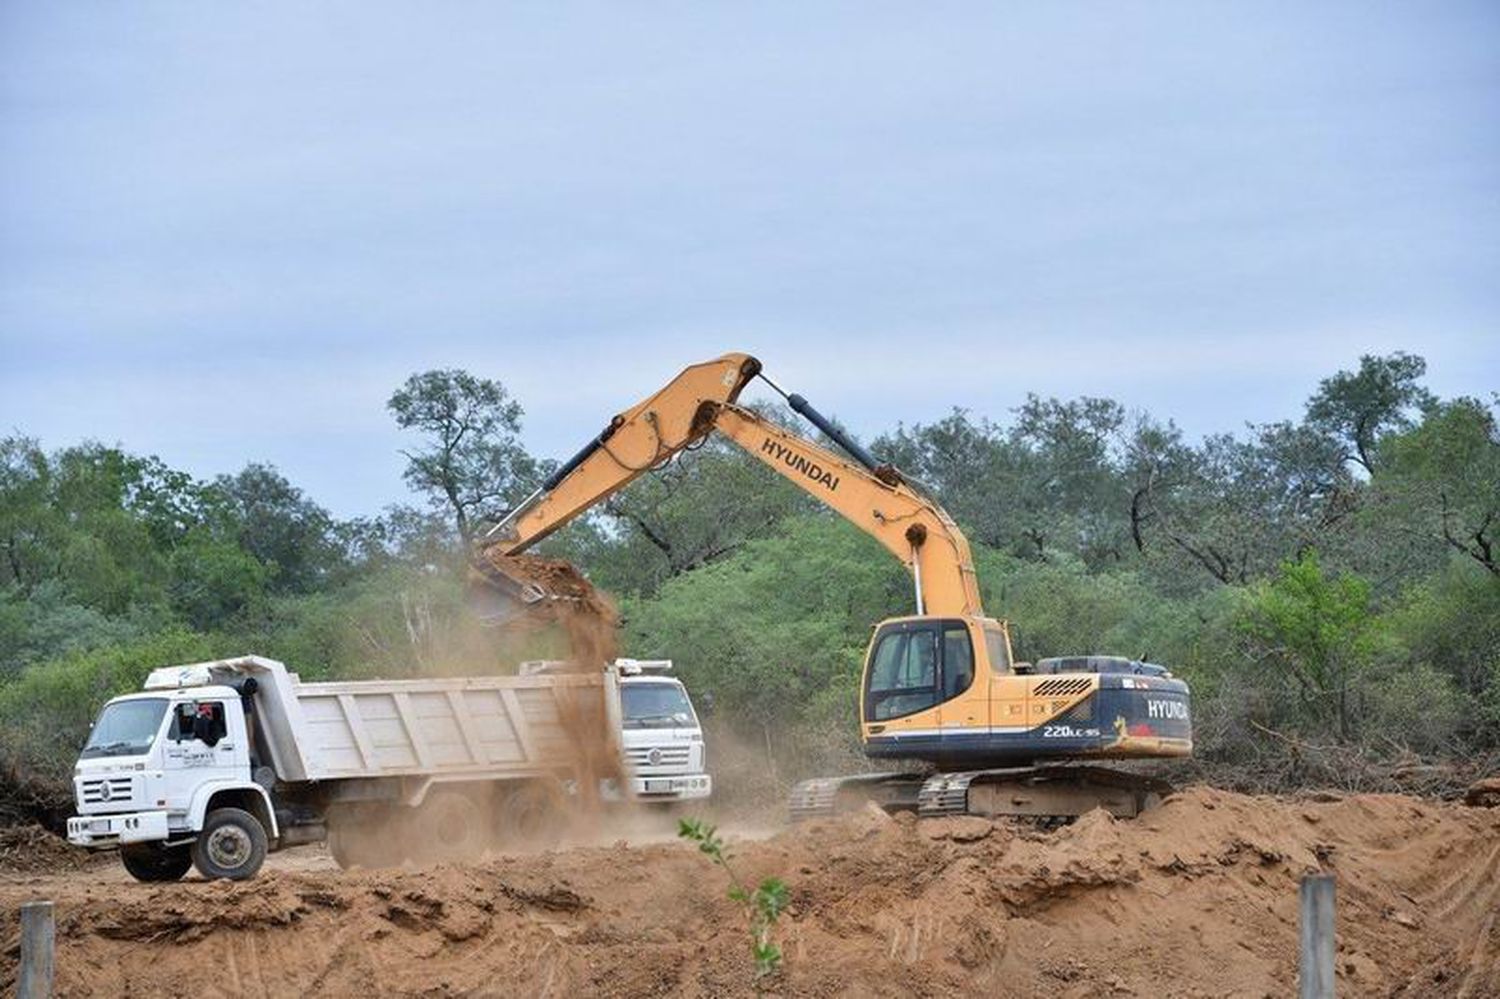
489, 726
415, 727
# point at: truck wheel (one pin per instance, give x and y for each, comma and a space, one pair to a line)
533, 814
232, 845
366, 836
451, 827
154, 862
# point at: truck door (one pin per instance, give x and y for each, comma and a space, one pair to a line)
206, 740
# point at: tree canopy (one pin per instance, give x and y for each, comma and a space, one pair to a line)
1331, 576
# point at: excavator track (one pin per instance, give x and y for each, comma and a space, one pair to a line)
1050, 791
1041, 792
822, 797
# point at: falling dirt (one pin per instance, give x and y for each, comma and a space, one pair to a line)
589, 621
1197, 898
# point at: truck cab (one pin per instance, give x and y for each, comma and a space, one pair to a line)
660, 734
156, 764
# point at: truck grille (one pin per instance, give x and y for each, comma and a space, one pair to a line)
107, 790
641, 757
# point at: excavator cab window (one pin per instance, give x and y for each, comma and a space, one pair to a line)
903, 672
996, 647
958, 661
915, 665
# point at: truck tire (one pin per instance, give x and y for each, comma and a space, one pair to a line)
450, 826
154, 862
366, 836
232, 845
534, 814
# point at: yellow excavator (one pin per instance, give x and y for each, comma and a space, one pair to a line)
940, 687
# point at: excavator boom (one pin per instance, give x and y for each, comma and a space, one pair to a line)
700, 400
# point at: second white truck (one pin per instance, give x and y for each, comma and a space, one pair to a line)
665, 754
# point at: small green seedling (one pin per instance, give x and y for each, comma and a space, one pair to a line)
762, 906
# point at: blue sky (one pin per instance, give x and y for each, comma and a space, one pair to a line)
228, 231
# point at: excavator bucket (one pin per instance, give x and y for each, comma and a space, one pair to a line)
520, 591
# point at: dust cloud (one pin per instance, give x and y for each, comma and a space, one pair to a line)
576, 625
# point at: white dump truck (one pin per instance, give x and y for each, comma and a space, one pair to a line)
665, 755
213, 764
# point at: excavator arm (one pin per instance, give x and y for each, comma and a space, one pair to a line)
703, 398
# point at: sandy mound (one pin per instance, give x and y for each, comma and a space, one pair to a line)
1198, 898
31, 850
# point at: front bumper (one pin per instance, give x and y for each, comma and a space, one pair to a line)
681, 787
99, 832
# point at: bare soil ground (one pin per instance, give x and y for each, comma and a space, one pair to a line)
1198, 898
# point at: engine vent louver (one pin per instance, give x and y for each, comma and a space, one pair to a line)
1062, 686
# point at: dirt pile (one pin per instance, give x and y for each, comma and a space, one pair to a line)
31, 849
27, 797
1197, 898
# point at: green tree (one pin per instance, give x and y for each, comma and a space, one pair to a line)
213, 579
29, 527
472, 463
1357, 408
1245, 504
703, 505
1156, 465
972, 466
777, 630
275, 522
1319, 631
1073, 493
1450, 621
1046, 484
1443, 479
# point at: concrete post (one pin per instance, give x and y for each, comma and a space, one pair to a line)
38, 937
1317, 964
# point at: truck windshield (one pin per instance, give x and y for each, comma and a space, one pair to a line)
656, 705
126, 728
